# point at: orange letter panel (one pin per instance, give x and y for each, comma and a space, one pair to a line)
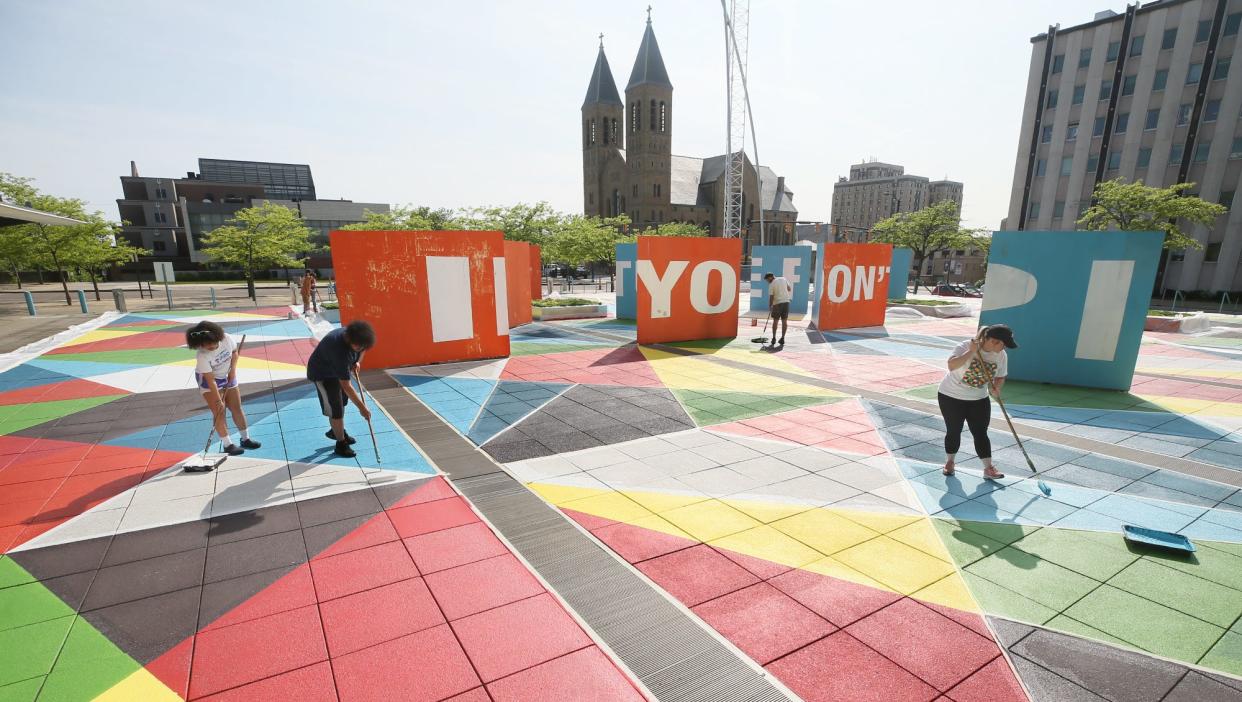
517, 267
851, 289
536, 273
431, 296
687, 288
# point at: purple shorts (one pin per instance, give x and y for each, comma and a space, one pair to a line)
221, 383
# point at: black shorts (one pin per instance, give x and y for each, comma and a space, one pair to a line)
332, 398
780, 310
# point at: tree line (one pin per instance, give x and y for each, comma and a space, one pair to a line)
90, 248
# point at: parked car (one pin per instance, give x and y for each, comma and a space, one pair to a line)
946, 290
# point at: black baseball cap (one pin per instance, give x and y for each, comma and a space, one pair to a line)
1001, 332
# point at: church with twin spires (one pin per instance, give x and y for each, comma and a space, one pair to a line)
628, 165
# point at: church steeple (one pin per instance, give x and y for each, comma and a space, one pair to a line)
602, 89
649, 64
603, 135
649, 134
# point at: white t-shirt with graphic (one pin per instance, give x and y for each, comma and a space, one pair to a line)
781, 290
216, 362
970, 382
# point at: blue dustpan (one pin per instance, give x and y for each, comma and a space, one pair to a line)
1157, 538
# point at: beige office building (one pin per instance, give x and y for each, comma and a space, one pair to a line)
1148, 95
875, 191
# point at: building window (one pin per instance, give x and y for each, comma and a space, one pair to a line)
1211, 253
1203, 32
1127, 85
653, 216
1144, 158
1162, 78
1058, 62
1169, 39
1232, 22
1114, 49
1123, 121
655, 190
1071, 132
1097, 128
1183, 114
592, 132
1041, 167
1058, 209
654, 117
636, 190
1046, 136
1106, 89
1226, 198
1211, 111
1093, 161
1235, 151
1175, 154
1222, 68
1201, 151
1067, 165
663, 118
1034, 210
1079, 92
636, 116
1051, 101
1136, 45
1084, 57
1153, 119
1194, 74
1114, 160
158, 246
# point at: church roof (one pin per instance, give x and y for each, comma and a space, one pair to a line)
689, 173
603, 88
649, 64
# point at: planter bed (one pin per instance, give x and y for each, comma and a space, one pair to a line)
957, 310
1179, 324
544, 314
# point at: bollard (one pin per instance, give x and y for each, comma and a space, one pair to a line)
82, 302
168, 294
29, 303
118, 299
213, 298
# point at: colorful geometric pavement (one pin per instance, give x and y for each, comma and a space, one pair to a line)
288, 573
791, 508
790, 501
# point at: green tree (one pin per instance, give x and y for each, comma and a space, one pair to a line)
15, 251
48, 245
924, 231
534, 224
269, 236
99, 249
676, 229
407, 219
1134, 207
580, 239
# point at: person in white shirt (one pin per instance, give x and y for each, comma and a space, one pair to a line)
977, 368
780, 292
215, 369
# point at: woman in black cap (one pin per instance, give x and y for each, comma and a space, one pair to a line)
976, 367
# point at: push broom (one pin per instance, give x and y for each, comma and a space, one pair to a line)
362, 393
763, 339
203, 463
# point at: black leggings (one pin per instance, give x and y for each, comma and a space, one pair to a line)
975, 413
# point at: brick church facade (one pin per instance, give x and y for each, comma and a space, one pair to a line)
628, 165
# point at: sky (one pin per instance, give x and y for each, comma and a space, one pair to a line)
475, 103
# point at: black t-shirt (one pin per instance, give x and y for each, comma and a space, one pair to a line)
332, 358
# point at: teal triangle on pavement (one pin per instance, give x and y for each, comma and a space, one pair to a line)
456, 400
509, 404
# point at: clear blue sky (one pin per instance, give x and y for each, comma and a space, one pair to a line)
458, 104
